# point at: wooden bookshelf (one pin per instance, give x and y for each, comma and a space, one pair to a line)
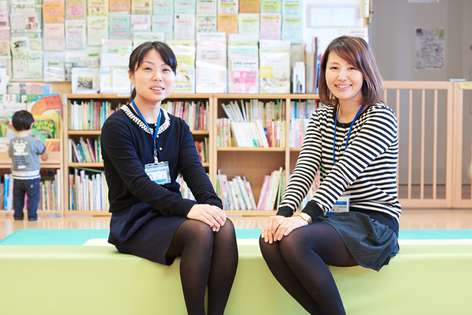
252, 162
92, 167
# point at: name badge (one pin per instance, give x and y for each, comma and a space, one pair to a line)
158, 172
341, 205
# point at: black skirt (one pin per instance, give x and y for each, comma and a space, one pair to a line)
369, 241
142, 232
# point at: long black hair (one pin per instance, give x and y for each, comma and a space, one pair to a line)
137, 56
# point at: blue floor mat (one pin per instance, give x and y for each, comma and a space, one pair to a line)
80, 236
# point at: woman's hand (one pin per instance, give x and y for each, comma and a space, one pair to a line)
287, 226
211, 215
268, 232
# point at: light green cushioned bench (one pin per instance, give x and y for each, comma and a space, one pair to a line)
96, 280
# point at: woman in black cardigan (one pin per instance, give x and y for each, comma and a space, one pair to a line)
144, 149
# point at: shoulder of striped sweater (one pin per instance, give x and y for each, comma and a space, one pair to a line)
324, 110
382, 110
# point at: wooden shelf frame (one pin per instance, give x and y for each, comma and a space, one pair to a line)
285, 155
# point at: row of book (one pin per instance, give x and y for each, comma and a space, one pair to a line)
88, 191
195, 113
85, 150
88, 150
237, 194
250, 134
90, 115
50, 192
257, 124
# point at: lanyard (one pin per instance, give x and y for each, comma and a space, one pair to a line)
154, 134
348, 133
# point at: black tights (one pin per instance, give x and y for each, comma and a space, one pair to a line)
207, 259
299, 262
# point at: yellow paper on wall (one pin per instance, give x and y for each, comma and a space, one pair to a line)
265, 72
228, 23
120, 5
249, 6
53, 11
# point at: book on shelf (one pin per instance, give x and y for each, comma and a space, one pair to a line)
88, 191
50, 192
236, 193
85, 80
185, 55
273, 187
254, 123
184, 189
298, 78
85, 150
90, 114
274, 56
194, 112
301, 111
211, 72
243, 64
202, 149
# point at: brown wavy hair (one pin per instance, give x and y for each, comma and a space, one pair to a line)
355, 51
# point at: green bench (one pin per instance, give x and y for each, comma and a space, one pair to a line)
96, 280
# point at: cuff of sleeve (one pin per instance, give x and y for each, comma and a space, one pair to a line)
285, 211
215, 202
313, 210
184, 207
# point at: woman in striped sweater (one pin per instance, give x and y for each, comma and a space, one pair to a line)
352, 219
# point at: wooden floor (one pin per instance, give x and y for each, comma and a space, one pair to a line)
411, 219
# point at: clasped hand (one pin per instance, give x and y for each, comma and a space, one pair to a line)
211, 215
280, 226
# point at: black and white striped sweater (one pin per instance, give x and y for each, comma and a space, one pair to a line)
366, 170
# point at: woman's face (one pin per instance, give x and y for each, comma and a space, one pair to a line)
343, 79
153, 79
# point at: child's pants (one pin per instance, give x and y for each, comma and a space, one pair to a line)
30, 187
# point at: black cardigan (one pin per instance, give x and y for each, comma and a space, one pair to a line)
127, 146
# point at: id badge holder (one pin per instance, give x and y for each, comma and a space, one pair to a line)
158, 172
341, 205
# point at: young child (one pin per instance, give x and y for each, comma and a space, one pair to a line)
24, 151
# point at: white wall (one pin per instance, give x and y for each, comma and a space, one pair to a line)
392, 37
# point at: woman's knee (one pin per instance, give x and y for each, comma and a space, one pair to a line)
227, 230
198, 231
294, 243
267, 249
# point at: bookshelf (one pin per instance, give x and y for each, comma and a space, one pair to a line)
251, 162
53, 165
83, 166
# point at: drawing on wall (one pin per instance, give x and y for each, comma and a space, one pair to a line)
430, 49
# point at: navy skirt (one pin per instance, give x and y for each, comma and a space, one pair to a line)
142, 232
371, 243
